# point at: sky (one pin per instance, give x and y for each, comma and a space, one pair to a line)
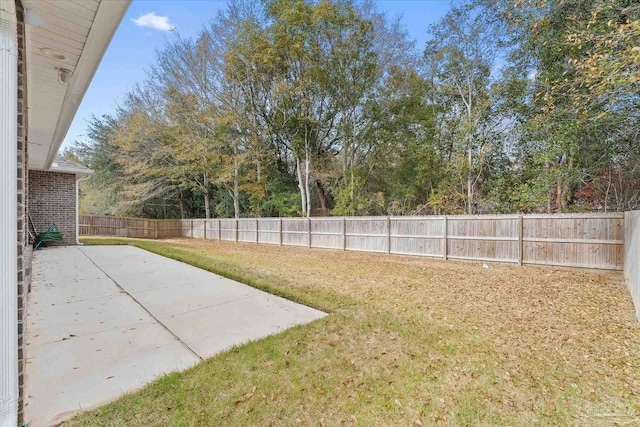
146, 28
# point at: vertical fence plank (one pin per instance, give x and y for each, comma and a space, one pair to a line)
520, 237
344, 233
632, 255
445, 240
388, 235
309, 232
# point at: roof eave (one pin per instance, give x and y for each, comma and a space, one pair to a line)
108, 17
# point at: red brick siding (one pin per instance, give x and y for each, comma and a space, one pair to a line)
24, 252
52, 200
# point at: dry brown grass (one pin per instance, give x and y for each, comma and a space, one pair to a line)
410, 341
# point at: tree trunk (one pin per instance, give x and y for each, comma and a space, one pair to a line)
181, 206
207, 198
353, 185
606, 194
258, 170
546, 168
207, 205
303, 199
307, 165
559, 193
567, 194
323, 198
236, 190
469, 185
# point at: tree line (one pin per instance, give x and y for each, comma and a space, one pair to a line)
303, 107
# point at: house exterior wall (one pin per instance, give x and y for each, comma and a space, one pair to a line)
23, 249
52, 200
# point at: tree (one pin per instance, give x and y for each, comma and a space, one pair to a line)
460, 55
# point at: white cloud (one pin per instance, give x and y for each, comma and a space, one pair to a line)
154, 21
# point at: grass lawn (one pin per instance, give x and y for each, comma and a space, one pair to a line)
409, 341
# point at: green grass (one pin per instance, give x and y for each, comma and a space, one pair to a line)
409, 341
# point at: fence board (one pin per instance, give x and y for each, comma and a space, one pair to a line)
632, 256
578, 241
197, 229
211, 229
247, 229
573, 240
269, 231
228, 229
326, 233
366, 234
483, 238
417, 236
295, 232
168, 228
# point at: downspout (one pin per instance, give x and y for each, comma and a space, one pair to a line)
78, 181
8, 215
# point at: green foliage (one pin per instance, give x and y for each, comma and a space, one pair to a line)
293, 107
282, 199
352, 199
100, 194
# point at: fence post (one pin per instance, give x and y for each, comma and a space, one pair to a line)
445, 240
520, 239
192, 229
388, 234
155, 222
219, 231
309, 231
257, 226
280, 231
126, 227
344, 233
205, 228
237, 230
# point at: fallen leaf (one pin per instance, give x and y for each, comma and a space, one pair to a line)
245, 397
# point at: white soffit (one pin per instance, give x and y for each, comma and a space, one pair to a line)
79, 31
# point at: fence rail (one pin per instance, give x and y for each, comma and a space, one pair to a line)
570, 240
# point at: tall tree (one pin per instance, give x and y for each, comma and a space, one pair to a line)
461, 54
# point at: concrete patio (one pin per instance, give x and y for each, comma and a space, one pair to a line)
105, 320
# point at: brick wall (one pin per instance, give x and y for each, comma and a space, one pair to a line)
24, 252
52, 200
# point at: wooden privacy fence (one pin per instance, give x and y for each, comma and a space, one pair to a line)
571, 240
632, 256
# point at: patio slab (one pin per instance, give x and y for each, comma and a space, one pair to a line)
214, 329
105, 320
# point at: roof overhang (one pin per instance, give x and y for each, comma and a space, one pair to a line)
62, 165
74, 36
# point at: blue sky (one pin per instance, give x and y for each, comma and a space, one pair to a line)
134, 45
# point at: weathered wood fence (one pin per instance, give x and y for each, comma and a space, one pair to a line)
571, 240
632, 256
